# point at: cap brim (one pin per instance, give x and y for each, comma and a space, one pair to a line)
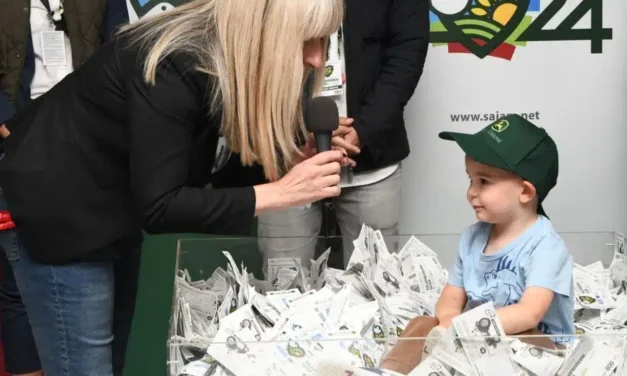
476, 148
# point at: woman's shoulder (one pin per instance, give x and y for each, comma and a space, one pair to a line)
132, 57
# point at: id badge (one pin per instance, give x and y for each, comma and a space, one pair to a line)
53, 48
333, 79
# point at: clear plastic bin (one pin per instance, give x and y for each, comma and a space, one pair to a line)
200, 257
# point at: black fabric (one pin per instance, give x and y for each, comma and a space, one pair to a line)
385, 47
104, 154
126, 271
20, 351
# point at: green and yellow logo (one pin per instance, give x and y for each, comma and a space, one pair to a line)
328, 71
498, 27
500, 126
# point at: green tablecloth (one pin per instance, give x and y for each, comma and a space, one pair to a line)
147, 350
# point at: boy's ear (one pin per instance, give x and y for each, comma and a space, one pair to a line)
528, 193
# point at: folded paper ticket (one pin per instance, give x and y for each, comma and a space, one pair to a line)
324, 321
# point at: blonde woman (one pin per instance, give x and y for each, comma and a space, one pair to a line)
128, 142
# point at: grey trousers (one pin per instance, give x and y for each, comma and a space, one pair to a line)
294, 232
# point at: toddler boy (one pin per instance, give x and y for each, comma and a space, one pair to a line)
513, 256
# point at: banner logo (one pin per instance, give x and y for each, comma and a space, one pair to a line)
147, 8
498, 27
500, 126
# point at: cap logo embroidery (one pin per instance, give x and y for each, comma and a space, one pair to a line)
500, 126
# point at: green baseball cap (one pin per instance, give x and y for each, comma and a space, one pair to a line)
514, 144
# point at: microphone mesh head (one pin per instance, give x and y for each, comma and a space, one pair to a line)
321, 115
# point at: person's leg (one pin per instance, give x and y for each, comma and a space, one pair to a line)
20, 353
407, 354
376, 205
291, 232
126, 283
70, 308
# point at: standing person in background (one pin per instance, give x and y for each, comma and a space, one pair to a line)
374, 63
36, 52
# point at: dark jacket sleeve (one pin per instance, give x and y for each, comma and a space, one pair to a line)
116, 15
6, 109
402, 61
234, 174
162, 122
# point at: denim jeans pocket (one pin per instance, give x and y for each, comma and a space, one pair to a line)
10, 245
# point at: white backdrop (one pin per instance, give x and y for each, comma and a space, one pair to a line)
580, 97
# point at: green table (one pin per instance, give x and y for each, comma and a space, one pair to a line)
147, 352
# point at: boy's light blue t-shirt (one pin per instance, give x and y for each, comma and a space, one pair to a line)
538, 257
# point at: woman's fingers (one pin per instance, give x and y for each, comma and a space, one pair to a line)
327, 157
332, 168
346, 121
347, 146
342, 131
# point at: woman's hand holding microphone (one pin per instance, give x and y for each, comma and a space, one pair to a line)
311, 180
315, 176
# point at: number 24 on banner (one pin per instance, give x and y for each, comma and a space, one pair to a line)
488, 27
596, 34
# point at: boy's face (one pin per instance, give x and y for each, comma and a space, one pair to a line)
496, 195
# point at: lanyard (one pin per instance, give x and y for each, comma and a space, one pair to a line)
55, 12
334, 49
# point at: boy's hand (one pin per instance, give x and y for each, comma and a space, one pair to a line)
447, 321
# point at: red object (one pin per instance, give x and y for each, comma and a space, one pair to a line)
504, 51
5, 220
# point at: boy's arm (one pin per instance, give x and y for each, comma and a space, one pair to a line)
548, 271
527, 313
450, 304
453, 298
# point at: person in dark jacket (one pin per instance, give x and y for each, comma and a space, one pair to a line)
24, 75
128, 141
374, 63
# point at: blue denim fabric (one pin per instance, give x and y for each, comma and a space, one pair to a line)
80, 313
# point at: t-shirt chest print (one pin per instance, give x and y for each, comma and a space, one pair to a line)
499, 283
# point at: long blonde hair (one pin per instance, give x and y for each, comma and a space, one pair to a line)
254, 48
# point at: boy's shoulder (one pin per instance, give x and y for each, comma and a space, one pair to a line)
542, 242
541, 237
473, 234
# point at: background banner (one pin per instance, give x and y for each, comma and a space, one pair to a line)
561, 64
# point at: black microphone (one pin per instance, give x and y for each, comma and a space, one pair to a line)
321, 119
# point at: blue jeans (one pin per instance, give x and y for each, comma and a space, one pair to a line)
80, 313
